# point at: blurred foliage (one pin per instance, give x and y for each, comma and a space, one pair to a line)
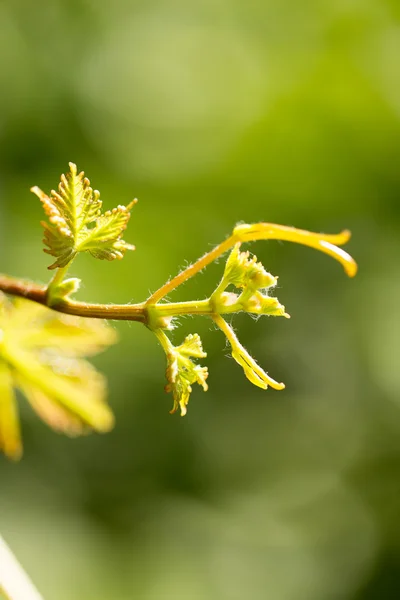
43, 357
213, 112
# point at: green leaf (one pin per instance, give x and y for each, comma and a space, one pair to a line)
261, 304
243, 271
192, 347
182, 372
103, 241
76, 223
36, 327
10, 436
54, 414
41, 353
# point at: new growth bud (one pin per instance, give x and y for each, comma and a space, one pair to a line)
181, 371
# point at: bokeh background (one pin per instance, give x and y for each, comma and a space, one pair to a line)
213, 112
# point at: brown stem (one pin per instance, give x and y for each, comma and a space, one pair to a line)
38, 293
24, 289
117, 312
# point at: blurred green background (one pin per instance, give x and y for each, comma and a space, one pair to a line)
213, 112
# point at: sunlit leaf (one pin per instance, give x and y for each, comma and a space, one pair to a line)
242, 271
10, 437
104, 240
182, 372
246, 273
262, 304
192, 347
76, 223
41, 354
36, 327
52, 412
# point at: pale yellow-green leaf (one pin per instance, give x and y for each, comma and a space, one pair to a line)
182, 372
241, 270
261, 304
41, 353
71, 383
50, 411
36, 327
245, 273
104, 240
76, 223
192, 347
10, 436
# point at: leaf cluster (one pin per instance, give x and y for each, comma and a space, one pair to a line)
43, 352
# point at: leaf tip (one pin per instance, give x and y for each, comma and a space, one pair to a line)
38, 192
73, 168
132, 204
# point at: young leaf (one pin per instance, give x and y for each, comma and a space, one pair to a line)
104, 240
245, 272
261, 304
76, 223
41, 354
10, 436
39, 328
192, 347
181, 371
250, 276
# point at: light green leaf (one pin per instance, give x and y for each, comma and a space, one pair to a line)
73, 384
261, 304
54, 414
76, 223
182, 372
10, 436
37, 327
192, 347
41, 353
243, 271
103, 241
